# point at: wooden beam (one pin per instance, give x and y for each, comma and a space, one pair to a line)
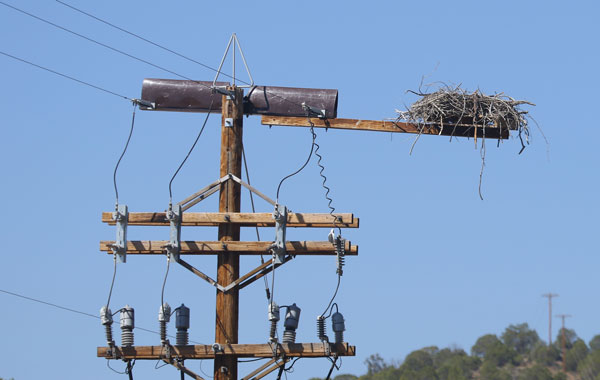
245, 219
204, 351
312, 248
460, 130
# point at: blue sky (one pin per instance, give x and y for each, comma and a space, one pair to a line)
437, 265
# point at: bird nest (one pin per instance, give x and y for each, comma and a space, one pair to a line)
453, 105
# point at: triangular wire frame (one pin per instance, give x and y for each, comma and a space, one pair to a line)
235, 42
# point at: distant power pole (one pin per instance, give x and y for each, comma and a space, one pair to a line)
564, 340
550, 296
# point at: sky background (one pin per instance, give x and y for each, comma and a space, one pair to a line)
436, 266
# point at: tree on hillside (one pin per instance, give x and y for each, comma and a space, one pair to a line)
544, 354
537, 372
375, 363
490, 371
483, 344
570, 337
520, 338
595, 343
491, 349
576, 355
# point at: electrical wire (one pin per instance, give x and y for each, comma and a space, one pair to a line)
334, 294
77, 311
191, 149
171, 51
121, 157
262, 259
64, 75
162, 292
312, 148
112, 284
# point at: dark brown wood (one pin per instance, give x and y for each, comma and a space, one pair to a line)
228, 263
244, 219
460, 130
306, 350
312, 248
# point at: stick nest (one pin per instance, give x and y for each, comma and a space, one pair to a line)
453, 105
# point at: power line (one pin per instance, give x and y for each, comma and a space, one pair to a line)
74, 310
65, 75
147, 40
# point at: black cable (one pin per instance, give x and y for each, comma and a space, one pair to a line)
312, 147
129, 369
123, 154
331, 369
64, 75
334, 295
322, 169
191, 149
262, 260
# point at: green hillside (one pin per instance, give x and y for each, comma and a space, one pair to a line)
518, 354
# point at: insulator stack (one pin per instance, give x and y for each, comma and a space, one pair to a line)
107, 320
164, 316
127, 326
338, 326
321, 329
292, 318
340, 250
182, 323
273, 318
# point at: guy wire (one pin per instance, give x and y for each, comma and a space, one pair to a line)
191, 149
123, 154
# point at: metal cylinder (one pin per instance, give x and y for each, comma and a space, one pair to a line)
273, 318
321, 329
127, 325
182, 323
164, 316
338, 326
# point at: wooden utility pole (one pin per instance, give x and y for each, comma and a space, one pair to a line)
228, 263
550, 296
564, 341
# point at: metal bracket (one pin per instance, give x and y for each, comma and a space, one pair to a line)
235, 41
312, 111
144, 103
174, 245
278, 247
228, 122
119, 248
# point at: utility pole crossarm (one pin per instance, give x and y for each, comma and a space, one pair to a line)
459, 130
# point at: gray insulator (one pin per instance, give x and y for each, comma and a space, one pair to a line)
289, 336
338, 326
107, 320
182, 323
127, 326
273, 318
292, 317
181, 338
164, 316
321, 329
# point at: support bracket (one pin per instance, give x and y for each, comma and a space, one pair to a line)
119, 248
278, 248
174, 245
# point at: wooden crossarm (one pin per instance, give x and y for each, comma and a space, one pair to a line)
246, 219
460, 130
203, 351
312, 248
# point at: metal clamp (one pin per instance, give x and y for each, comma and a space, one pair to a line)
119, 248
174, 245
312, 111
278, 248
